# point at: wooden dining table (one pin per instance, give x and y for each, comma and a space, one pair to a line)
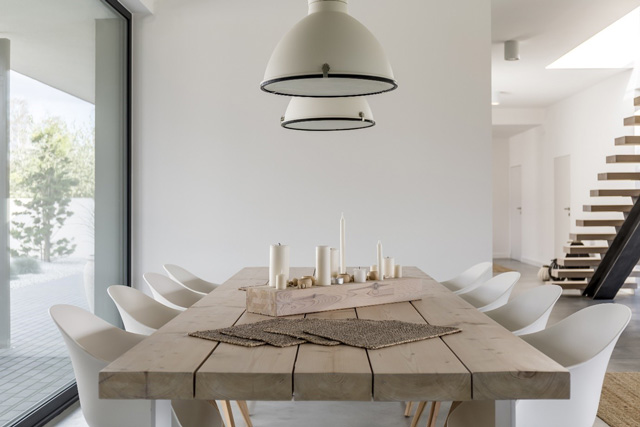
482, 362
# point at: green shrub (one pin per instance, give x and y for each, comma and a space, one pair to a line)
26, 266
12, 272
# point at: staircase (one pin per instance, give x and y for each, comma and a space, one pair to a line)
578, 267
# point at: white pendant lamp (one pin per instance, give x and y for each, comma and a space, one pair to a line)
328, 54
326, 114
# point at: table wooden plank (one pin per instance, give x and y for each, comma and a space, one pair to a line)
332, 372
239, 373
422, 370
502, 365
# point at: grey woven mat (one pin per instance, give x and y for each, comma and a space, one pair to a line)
257, 331
214, 335
295, 328
375, 334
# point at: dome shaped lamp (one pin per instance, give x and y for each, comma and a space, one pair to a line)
328, 54
327, 114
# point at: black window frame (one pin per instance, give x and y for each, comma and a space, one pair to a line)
67, 396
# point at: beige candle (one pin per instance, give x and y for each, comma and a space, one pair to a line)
335, 262
374, 267
281, 282
323, 266
398, 271
389, 267
360, 275
380, 262
278, 262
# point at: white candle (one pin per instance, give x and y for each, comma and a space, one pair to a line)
360, 275
389, 267
335, 262
343, 265
380, 261
281, 282
398, 271
323, 266
278, 262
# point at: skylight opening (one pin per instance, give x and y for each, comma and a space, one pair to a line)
614, 47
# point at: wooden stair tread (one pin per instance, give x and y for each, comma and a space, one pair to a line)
579, 261
592, 236
624, 158
581, 284
628, 140
583, 272
619, 176
632, 121
599, 222
577, 250
607, 208
608, 192
636, 101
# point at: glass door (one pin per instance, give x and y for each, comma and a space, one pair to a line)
64, 177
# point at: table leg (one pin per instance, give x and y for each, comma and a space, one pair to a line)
505, 413
228, 415
244, 409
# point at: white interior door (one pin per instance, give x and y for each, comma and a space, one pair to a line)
515, 211
561, 202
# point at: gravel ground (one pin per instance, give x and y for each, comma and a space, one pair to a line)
55, 270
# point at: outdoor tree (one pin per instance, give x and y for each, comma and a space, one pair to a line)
46, 183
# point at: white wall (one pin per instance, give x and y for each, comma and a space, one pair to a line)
216, 180
583, 126
500, 206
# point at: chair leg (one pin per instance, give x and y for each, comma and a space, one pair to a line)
453, 406
433, 414
407, 409
228, 415
416, 416
244, 410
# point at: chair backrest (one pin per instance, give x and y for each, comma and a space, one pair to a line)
529, 311
493, 293
170, 293
471, 277
583, 343
140, 313
92, 344
189, 280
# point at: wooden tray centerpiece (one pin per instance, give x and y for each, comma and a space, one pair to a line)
269, 301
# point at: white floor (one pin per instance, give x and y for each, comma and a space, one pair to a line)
368, 414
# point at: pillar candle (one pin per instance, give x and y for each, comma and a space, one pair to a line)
335, 262
281, 282
323, 266
374, 267
278, 263
343, 265
389, 267
380, 261
360, 275
398, 271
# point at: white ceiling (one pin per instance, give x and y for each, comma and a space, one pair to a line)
547, 29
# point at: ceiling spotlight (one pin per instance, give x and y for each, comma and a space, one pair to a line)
328, 54
325, 114
511, 50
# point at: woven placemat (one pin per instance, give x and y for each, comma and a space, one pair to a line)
214, 335
295, 328
620, 399
375, 334
257, 331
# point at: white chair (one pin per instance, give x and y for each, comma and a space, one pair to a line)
493, 293
144, 315
170, 293
529, 311
471, 278
140, 313
583, 343
93, 344
189, 280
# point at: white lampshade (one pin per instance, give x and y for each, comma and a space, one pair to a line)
324, 114
328, 54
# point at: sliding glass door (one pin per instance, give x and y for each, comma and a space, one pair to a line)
64, 178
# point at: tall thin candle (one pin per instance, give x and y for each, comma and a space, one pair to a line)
380, 261
343, 265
